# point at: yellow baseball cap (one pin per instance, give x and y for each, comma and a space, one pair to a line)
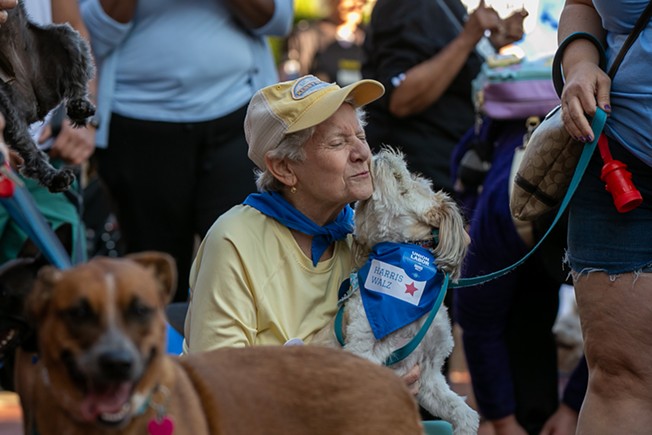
288, 107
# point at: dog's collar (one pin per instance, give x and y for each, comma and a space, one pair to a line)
161, 423
429, 244
160, 406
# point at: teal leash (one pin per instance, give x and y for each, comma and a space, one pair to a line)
401, 353
597, 125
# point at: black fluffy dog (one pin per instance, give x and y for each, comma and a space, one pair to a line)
41, 67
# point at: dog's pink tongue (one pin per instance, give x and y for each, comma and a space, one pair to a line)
107, 401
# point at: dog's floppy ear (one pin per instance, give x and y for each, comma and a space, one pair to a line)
41, 294
453, 238
17, 278
164, 268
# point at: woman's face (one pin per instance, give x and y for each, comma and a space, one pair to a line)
335, 171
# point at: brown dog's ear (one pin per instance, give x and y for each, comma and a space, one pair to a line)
41, 294
164, 268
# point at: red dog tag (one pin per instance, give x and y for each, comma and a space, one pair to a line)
164, 426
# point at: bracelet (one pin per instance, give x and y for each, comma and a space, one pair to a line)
557, 76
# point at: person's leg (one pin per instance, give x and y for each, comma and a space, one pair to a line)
225, 175
532, 347
617, 326
608, 252
149, 169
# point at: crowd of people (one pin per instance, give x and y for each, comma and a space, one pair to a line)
245, 172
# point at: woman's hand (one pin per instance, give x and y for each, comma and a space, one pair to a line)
482, 19
508, 426
562, 422
412, 378
509, 30
586, 88
72, 145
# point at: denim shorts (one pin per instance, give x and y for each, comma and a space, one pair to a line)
601, 238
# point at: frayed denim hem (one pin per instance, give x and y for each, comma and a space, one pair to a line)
613, 274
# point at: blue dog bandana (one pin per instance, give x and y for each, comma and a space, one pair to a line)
275, 206
399, 284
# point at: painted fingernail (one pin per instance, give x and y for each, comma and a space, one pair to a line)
589, 138
607, 107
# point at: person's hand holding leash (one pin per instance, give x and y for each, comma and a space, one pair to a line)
587, 87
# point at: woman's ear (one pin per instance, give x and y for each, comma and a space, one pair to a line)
281, 170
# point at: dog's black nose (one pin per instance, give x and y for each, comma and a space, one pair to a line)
116, 364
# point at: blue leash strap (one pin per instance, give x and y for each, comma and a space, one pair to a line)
22, 209
597, 125
401, 353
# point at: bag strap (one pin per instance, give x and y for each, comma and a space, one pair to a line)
638, 28
597, 125
557, 76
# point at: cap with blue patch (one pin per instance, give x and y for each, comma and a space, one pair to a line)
295, 105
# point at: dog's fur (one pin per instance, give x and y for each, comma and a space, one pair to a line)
41, 66
16, 279
404, 208
102, 368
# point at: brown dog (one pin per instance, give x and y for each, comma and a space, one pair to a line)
103, 368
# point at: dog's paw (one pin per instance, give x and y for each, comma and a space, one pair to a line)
61, 181
78, 110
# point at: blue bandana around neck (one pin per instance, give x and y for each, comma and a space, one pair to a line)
275, 206
399, 284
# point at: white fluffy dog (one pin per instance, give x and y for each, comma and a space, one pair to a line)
405, 209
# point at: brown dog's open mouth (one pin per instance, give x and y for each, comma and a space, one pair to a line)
109, 404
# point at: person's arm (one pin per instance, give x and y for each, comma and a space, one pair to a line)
107, 26
562, 422
426, 82
120, 10
508, 426
252, 13
264, 17
586, 85
73, 145
222, 311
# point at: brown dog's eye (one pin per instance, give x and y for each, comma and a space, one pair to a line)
82, 312
138, 310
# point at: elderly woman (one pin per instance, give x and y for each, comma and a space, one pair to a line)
269, 269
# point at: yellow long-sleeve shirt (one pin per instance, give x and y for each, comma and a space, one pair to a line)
251, 284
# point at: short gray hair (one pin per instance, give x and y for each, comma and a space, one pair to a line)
291, 148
